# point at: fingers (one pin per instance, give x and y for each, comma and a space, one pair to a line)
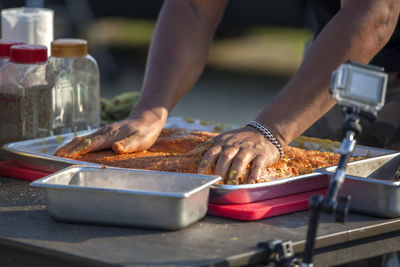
62, 151
236, 165
130, 144
135, 139
239, 167
229, 163
125, 136
209, 159
224, 162
71, 146
79, 146
89, 144
257, 169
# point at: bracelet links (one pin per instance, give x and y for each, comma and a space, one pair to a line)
267, 134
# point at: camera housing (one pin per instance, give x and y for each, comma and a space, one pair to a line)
360, 86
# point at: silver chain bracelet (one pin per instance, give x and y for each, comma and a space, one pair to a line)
267, 134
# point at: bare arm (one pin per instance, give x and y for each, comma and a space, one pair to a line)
177, 56
179, 50
357, 32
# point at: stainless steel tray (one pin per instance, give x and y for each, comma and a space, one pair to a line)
139, 198
236, 194
371, 184
246, 193
38, 154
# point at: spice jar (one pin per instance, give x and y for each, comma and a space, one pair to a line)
75, 80
24, 95
5, 46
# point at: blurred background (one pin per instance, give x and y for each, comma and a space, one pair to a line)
257, 48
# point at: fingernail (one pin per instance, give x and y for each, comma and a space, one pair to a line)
86, 143
204, 170
232, 173
204, 163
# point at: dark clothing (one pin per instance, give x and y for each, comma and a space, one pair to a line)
388, 57
385, 132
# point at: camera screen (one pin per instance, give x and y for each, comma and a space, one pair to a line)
366, 87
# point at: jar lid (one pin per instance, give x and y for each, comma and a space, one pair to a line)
5, 45
69, 48
28, 53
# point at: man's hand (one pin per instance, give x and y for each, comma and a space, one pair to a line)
234, 151
136, 133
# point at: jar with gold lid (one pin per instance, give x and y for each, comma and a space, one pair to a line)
75, 79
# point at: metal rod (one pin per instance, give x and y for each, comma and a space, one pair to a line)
315, 205
347, 149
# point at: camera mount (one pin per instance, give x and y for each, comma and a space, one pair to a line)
361, 90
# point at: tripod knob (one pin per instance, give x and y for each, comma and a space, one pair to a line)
342, 208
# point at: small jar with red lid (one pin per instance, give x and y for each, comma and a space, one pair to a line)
5, 48
24, 94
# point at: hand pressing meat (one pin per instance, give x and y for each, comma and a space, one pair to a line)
178, 150
136, 133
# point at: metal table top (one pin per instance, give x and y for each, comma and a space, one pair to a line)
26, 229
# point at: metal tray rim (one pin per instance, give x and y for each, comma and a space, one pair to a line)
364, 179
327, 171
14, 148
42, 183
269, 183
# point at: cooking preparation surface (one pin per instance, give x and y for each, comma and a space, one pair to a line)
27, 229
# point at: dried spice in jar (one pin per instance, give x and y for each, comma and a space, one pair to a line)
24, 95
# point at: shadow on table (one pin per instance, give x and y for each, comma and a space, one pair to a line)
37, 224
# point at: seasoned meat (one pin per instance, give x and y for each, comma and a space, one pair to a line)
180, 140
178, 150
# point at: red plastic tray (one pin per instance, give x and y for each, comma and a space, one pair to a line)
10, 168
264, 209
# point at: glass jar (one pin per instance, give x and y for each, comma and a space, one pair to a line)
5, 45
24, 95
75, 91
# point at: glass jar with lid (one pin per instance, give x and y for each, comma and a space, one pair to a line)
75, 80
24, 95
5, 45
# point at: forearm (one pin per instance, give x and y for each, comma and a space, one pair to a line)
178, 52
357, 32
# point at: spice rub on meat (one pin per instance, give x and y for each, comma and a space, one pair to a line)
179, 150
